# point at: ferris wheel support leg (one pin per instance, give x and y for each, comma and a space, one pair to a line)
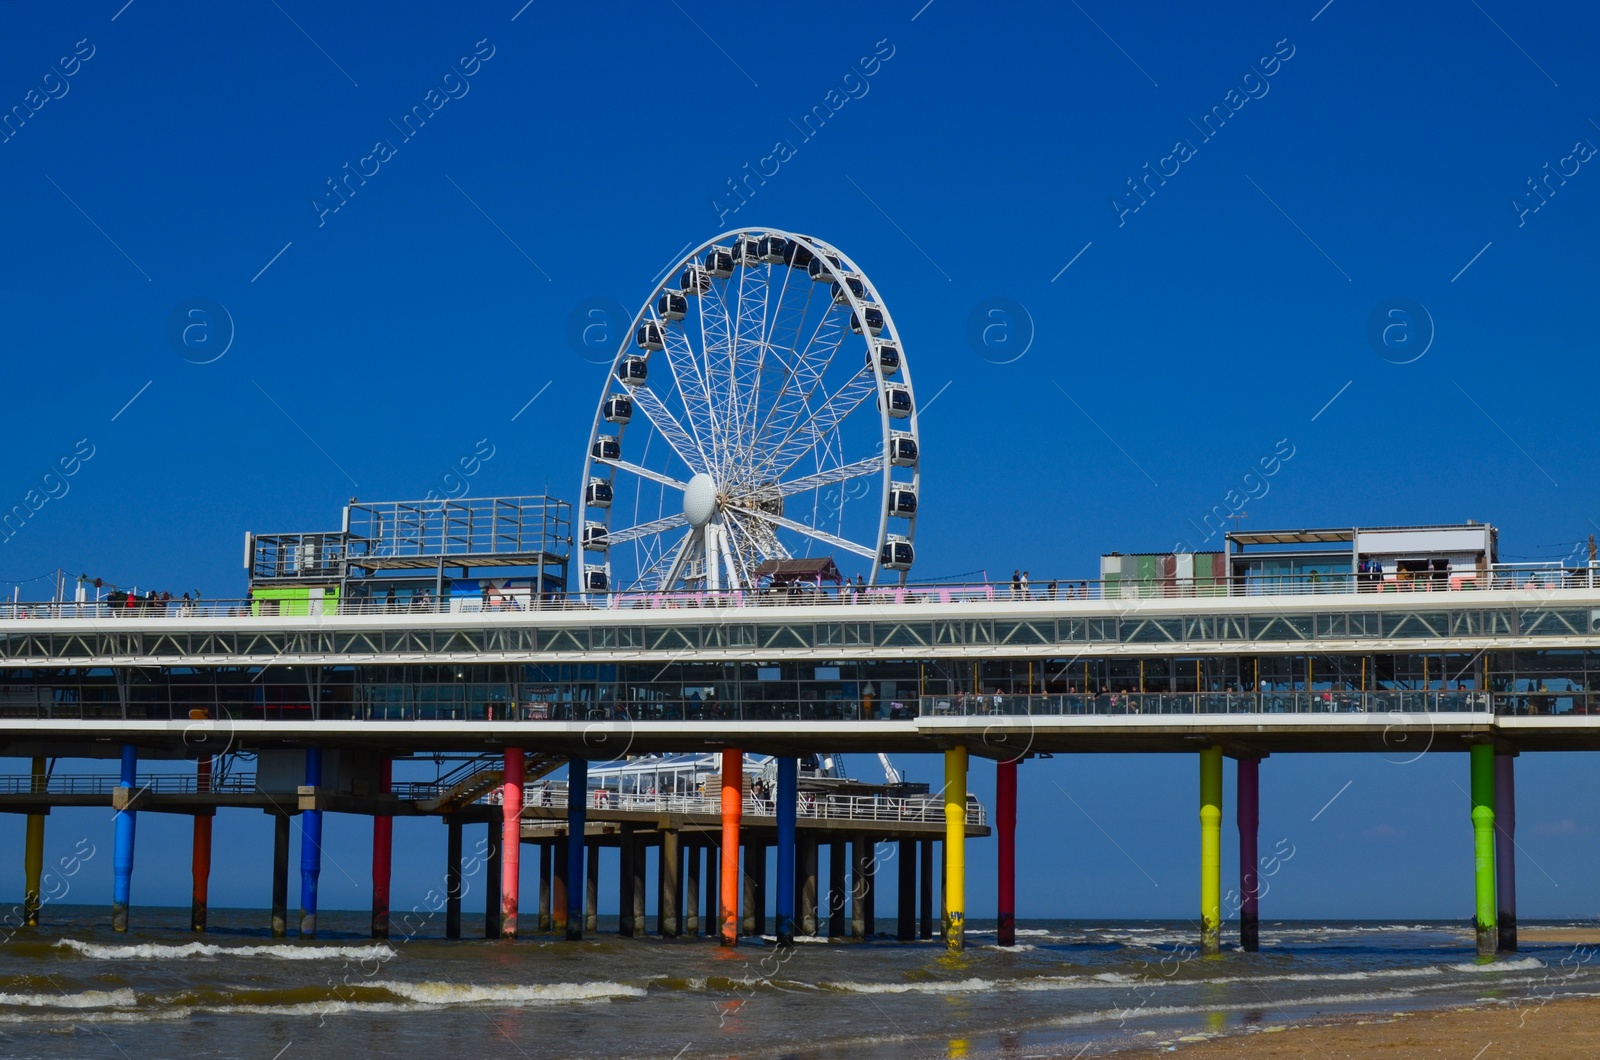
732, 810
955, 847
788, 799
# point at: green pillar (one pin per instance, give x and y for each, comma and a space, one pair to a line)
1211, 850
1483, 832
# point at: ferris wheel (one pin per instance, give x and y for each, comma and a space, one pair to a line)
759, 410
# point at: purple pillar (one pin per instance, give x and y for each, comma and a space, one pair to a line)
1249, 804
1505, 850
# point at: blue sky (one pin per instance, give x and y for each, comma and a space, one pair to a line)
1369, 153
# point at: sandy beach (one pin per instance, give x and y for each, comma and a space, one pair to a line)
1558, 1030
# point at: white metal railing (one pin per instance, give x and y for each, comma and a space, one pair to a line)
105, 783
1543, 577
822, 806
1388, 701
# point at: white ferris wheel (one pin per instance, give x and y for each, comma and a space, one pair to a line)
759, 409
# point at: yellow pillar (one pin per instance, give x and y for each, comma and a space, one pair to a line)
33, 853
955, 847
1211, 850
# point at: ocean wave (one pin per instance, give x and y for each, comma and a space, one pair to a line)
441, 993
150, 951
121, 998
1522, 965
964, 986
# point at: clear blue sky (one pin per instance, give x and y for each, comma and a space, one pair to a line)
1380, 158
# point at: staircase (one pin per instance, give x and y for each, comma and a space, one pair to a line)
475, 779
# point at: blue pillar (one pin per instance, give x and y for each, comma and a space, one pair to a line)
310, 849
577, 818
122, 853
788, 796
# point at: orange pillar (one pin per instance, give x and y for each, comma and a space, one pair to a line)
732, 809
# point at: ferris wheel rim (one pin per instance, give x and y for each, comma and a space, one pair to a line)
839, 268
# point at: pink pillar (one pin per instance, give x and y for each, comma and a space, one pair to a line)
511, 843
1249, 817
1005, 801
382, 850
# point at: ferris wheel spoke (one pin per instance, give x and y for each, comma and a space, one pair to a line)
806, 375
689, 380
807, 434
861, 468
644, 472
813, 532
655, 526
669, 428
663, 571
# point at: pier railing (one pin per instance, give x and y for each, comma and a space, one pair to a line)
1443, 701
821, 806
105, 783
1541, 577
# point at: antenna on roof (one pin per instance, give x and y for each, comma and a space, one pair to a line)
1236, 516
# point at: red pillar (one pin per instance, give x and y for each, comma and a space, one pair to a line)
200, 865
1005, 802
382, 850
732, 810
511, 843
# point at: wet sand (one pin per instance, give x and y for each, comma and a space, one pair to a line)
1560, 936
1559, 1030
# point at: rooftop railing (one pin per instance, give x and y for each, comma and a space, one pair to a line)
1536, 577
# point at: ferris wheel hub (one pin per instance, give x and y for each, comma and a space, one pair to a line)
700, 500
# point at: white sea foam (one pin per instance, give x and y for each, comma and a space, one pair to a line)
964, 986
150, 951
440, 993
123, 998
1500, 966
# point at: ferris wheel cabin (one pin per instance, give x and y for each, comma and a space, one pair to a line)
888, 355
672, 306
609, 447
902, 502
599, 494
618, 408
896, 553
902, 449
874, 321
899, 401
856, 287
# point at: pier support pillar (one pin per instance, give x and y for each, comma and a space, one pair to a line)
122, 851
1249, 818
713, 886
955, 847
382, 854
757, 870
627, 850
33, 852
691, 889
669, 899
837, 898
1483, 836
862, 924
1211, 850
200, 860
452, 878
1005, 816
641, 859
558, 887
511, 843
808, 887
546, 871
788, 807
925, 888
311, 848
491, 893
577, 821
591, 889
753, 855
906, 888
1505, 849
280, 875
732, 810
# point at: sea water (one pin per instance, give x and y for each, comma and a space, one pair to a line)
72, 987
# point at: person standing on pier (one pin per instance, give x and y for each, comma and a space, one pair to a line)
1016, 585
